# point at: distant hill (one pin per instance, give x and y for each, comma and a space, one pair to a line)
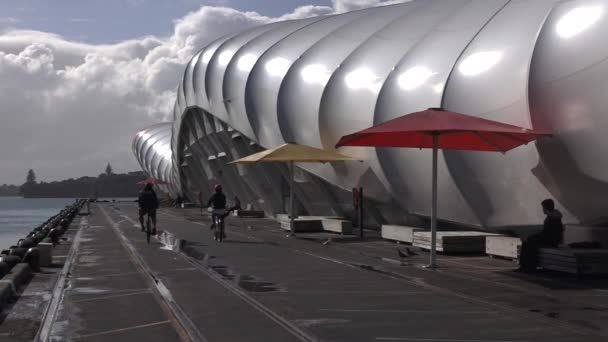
9, 190
105, 185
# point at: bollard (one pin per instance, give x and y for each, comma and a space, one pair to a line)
38, 237
26, 243
4, 269
46, 254
54, 235
10, 260
20, 252
32, 258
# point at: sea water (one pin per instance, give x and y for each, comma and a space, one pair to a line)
18, 216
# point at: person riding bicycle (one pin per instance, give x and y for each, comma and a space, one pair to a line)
218, 204
148, 203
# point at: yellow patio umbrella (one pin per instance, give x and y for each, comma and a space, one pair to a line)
294, 153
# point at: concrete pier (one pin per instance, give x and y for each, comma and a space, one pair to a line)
260, 286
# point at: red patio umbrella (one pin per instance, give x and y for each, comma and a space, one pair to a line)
151, 180
437, 128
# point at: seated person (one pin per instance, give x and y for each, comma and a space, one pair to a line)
550, 236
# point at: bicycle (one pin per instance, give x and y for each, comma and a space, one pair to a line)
218, 223
148, 227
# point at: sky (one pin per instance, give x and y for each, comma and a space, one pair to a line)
78, 78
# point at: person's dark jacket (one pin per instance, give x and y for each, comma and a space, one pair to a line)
553, 229
147, 199
217, 201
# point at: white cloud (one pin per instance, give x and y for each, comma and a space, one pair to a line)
9, 20
79, 20
307, 11
69, 107
351, 5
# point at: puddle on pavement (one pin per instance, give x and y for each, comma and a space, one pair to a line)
89, 260
252, 285
590, 308
89, 290
193, 250
197, 219
223, 271
319, 321
85, 278
379, 271
247, 282
170, 241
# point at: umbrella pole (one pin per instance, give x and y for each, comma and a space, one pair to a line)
433, 263
291, 211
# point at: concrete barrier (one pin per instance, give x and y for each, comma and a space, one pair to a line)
12, 282
337, 226
399, 233
503, 246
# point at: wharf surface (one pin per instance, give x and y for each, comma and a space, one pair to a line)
259, 285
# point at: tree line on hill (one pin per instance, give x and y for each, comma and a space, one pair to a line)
9, 190
107, 184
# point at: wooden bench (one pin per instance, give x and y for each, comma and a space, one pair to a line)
399, 233
337, 226
574, 261
453, 241
503, 246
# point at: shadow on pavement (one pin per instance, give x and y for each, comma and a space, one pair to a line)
560, 281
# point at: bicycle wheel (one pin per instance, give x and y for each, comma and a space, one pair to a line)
221, 230
148, 229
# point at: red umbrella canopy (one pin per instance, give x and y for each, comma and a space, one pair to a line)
151, 180
455, 131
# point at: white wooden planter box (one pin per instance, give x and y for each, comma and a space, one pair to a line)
248, 213
503, 246
453, 241
399, 233
337, 226
303, 225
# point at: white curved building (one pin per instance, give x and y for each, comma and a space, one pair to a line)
540, 64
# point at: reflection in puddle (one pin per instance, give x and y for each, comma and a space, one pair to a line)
170, 241
193, 250
89, 290
246, 282
319, 321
